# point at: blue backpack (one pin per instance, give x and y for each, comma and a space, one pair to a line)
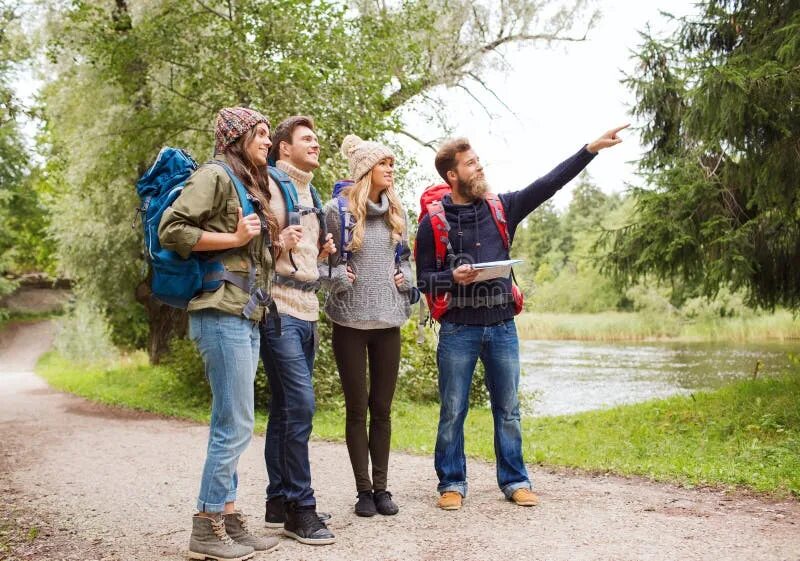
346, 225
176, 280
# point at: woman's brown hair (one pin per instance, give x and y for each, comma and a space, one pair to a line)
255, 178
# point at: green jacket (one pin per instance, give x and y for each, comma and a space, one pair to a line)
209, 202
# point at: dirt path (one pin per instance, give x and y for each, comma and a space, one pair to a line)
101, 483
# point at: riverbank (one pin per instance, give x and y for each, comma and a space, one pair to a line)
745, 435
636, 326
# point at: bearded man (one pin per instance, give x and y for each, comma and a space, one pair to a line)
479, 321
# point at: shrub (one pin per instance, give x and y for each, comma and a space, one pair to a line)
84, 335
417, 381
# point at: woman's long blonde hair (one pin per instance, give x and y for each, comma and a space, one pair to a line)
357, 195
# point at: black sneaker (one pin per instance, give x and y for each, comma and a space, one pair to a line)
384, 503
303, 524
275, 516
366, 504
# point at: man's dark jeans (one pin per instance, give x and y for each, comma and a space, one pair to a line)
289, 362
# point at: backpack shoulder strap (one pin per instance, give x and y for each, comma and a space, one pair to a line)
241, 190
288, 190
323, 229
345, 228
315, 197
441, 232
499, 216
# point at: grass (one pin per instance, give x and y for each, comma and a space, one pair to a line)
745, 435
634, 326
24, 317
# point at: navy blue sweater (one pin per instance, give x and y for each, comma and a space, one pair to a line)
473, 223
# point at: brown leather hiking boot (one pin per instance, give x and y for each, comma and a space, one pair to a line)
209, 541
450, 500
525, 497
236, 528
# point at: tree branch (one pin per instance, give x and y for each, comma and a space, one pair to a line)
492, 92
211, 10
429, 144
477, 100
184, 96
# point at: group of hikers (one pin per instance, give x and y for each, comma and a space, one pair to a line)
278, 246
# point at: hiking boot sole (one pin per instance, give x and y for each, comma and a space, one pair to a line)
526, 503
308, 541
274, 524
204, 556
365, 514
451, 507
273, 548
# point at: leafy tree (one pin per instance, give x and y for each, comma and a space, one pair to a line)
721, 102
539, 233
131, 76
22, 217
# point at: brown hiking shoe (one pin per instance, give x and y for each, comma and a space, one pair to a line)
209, 541
525, 497
449, 500
236, 527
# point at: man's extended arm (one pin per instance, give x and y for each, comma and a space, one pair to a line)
519, 204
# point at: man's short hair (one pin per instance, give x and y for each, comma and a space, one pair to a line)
284, 131
446, 156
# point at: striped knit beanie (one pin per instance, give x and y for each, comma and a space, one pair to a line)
362, 155
233, 122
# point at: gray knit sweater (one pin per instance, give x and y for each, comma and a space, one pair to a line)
372, 301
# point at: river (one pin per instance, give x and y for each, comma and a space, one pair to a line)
571, 376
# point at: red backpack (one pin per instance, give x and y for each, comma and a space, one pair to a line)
430, 203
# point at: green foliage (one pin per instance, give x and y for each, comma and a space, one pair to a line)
129, 77
84, 335
702, 325
561, 272
417, 378
720, 102
23, 218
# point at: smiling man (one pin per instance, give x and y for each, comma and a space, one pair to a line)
479, 317
288, 355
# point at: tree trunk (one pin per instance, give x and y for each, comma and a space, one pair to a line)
165, 322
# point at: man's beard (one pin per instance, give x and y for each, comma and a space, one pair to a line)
473, 188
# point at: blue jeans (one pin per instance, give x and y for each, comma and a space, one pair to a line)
497, 346
229, 347
289, 361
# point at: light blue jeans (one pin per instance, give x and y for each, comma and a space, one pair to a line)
229, 347
460, 347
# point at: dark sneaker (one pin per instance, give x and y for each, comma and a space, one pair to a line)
275, 516
236, 528
384, 503
303, 524
366, 504
210, 541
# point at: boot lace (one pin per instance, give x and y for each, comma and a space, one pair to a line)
218, 526
243, 523
309, 519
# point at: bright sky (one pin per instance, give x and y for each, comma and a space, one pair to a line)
561, 98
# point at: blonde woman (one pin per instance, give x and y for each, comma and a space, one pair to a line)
368, 302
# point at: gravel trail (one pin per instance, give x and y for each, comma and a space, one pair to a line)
105, 483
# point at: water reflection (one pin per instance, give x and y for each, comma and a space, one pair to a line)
572, 376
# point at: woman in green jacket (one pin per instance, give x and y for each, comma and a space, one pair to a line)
207, 217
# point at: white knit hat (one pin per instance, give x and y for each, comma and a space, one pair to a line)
362, 155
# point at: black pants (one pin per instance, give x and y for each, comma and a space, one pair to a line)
352, 347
